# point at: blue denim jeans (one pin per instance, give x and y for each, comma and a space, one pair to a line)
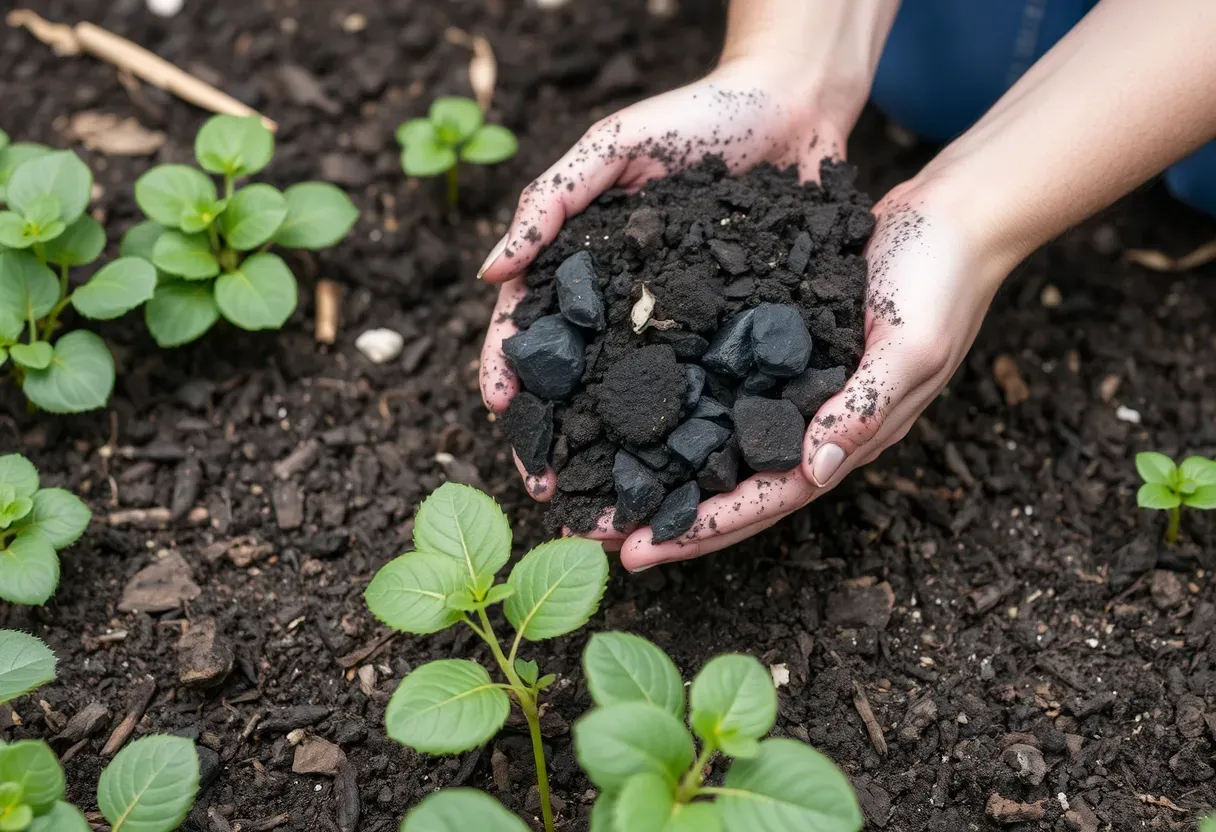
948, 61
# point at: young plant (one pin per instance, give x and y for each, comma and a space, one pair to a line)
454, 131
461, 541
35, 523
44, 234
211, 248
1168, 486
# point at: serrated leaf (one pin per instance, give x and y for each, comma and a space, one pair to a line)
1155, 468
455, 118
80, 244
13, 157
490, 145
180, 311
35, 356
29, 570
464, 524
58, 515
1203, 497
116, 289
27, 287
461, 810
1198, 470
33, 765
427, 158
25, 664
619, 741
80, 377
185, 255
252, 216
621, 667
63, 817
20, 473
558, 586
318, 216
646, 803
410, 593
733, 696
446, 707
261, 294
1155, 495
235, 146
788, 787
60, 174
166, 192
140, 240
150, 785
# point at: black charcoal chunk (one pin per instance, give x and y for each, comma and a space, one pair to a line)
696, 439
638, 490
676, 514
713, 410
655, 456
548, 357
528, 425
642, 394
740, 289
781, 344
769, 432
810, 390
688, 345
730, 351
757, 383
721, 471
696, 383
578, 291
730, 256
800, 253
644, 231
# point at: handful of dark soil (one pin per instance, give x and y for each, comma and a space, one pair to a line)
751, 291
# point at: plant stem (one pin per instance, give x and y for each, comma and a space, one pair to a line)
532, 715
52, 320
453, 185
690, 785
1171, 533
215, 239
227, 186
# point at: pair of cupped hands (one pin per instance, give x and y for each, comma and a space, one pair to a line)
924, 306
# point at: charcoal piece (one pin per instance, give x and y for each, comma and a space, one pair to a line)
810, 390
713, 410
644, 231
781, 344
730, 351
757, 383
820, 220
547, 357
730, 256
769, 433
578, 291
589, 469
528, 426
800, 253
721, 471
655, 456
740, 289
676, 514
696, 439
642, 394
696, 383
638, 490
688, 345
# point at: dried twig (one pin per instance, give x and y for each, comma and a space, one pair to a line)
364, 653
1159, 261
862, 703
329, 311
141, 697
483, 67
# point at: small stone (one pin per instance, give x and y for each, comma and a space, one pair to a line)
161, 587
1027, 762
676, 514
721, 471
642, 394
317, 756
695, 440
1166, 589
528, 426
757, 383
288, 503
204, 656
638, 490
578, 291
209, 766
800, 253
811, 390
861, 603
920, 716
781, 344
730, 351
770, 433
713, 410
730, 256
644, 231
695, 377
380, 345
656, 457
689, 346
548, 356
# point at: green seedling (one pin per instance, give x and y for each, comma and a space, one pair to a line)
211, 248
44, 234
461, 541
1168, 486
454, 131
35, 523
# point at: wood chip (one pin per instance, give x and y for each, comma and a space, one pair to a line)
862, 703
1159, 261
114, 135
329, 311
138, 701
318, 756
161, 587
1003, 810
1009, 377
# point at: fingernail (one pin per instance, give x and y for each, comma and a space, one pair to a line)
641, 569
493, 256
825, 464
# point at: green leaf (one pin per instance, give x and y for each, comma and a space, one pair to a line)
410, 593
498, 594
81, 244
180, 311
695, 817
416, 130
261, 294
63, 817
733, 696
17, 817
646, 803
427, 158
20, 473
455, 118
603, 813
617, 742
527, 670
1203, 497
462, 600
1155, 495
140, 240
318, 216
461, 810
58, 515
558, 586
116, 289
33, 765
12, 507
3, 356
1208, 824
166, 192
464, 524
1155, 468
80, 378
489, 146
42, 210
1198, 470
13, 231
27, 288
13, 157
200, 217
25, 664
621, 667
4, 141
35, 356
150, 785
545, 681
60, 174
788, 787
185, 255
29, 570
252, 216
446, 707
235, 146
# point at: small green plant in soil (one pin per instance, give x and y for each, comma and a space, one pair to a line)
1168, 486
461, 541
35, 523
211, 246
454, 131
44, 234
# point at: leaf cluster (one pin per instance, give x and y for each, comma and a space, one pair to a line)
453, 131
1168, 486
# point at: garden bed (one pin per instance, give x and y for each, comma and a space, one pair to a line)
988, 583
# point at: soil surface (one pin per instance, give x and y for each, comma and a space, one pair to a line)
980, 619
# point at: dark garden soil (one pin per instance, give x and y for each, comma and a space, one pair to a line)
981, 618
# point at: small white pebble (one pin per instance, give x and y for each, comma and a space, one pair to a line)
1126, 414
1063, 799
380, 345
780, 673
165, 8
1092, 642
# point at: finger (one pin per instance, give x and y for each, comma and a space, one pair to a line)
604, 532
499, 384
540, 486
641, 558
